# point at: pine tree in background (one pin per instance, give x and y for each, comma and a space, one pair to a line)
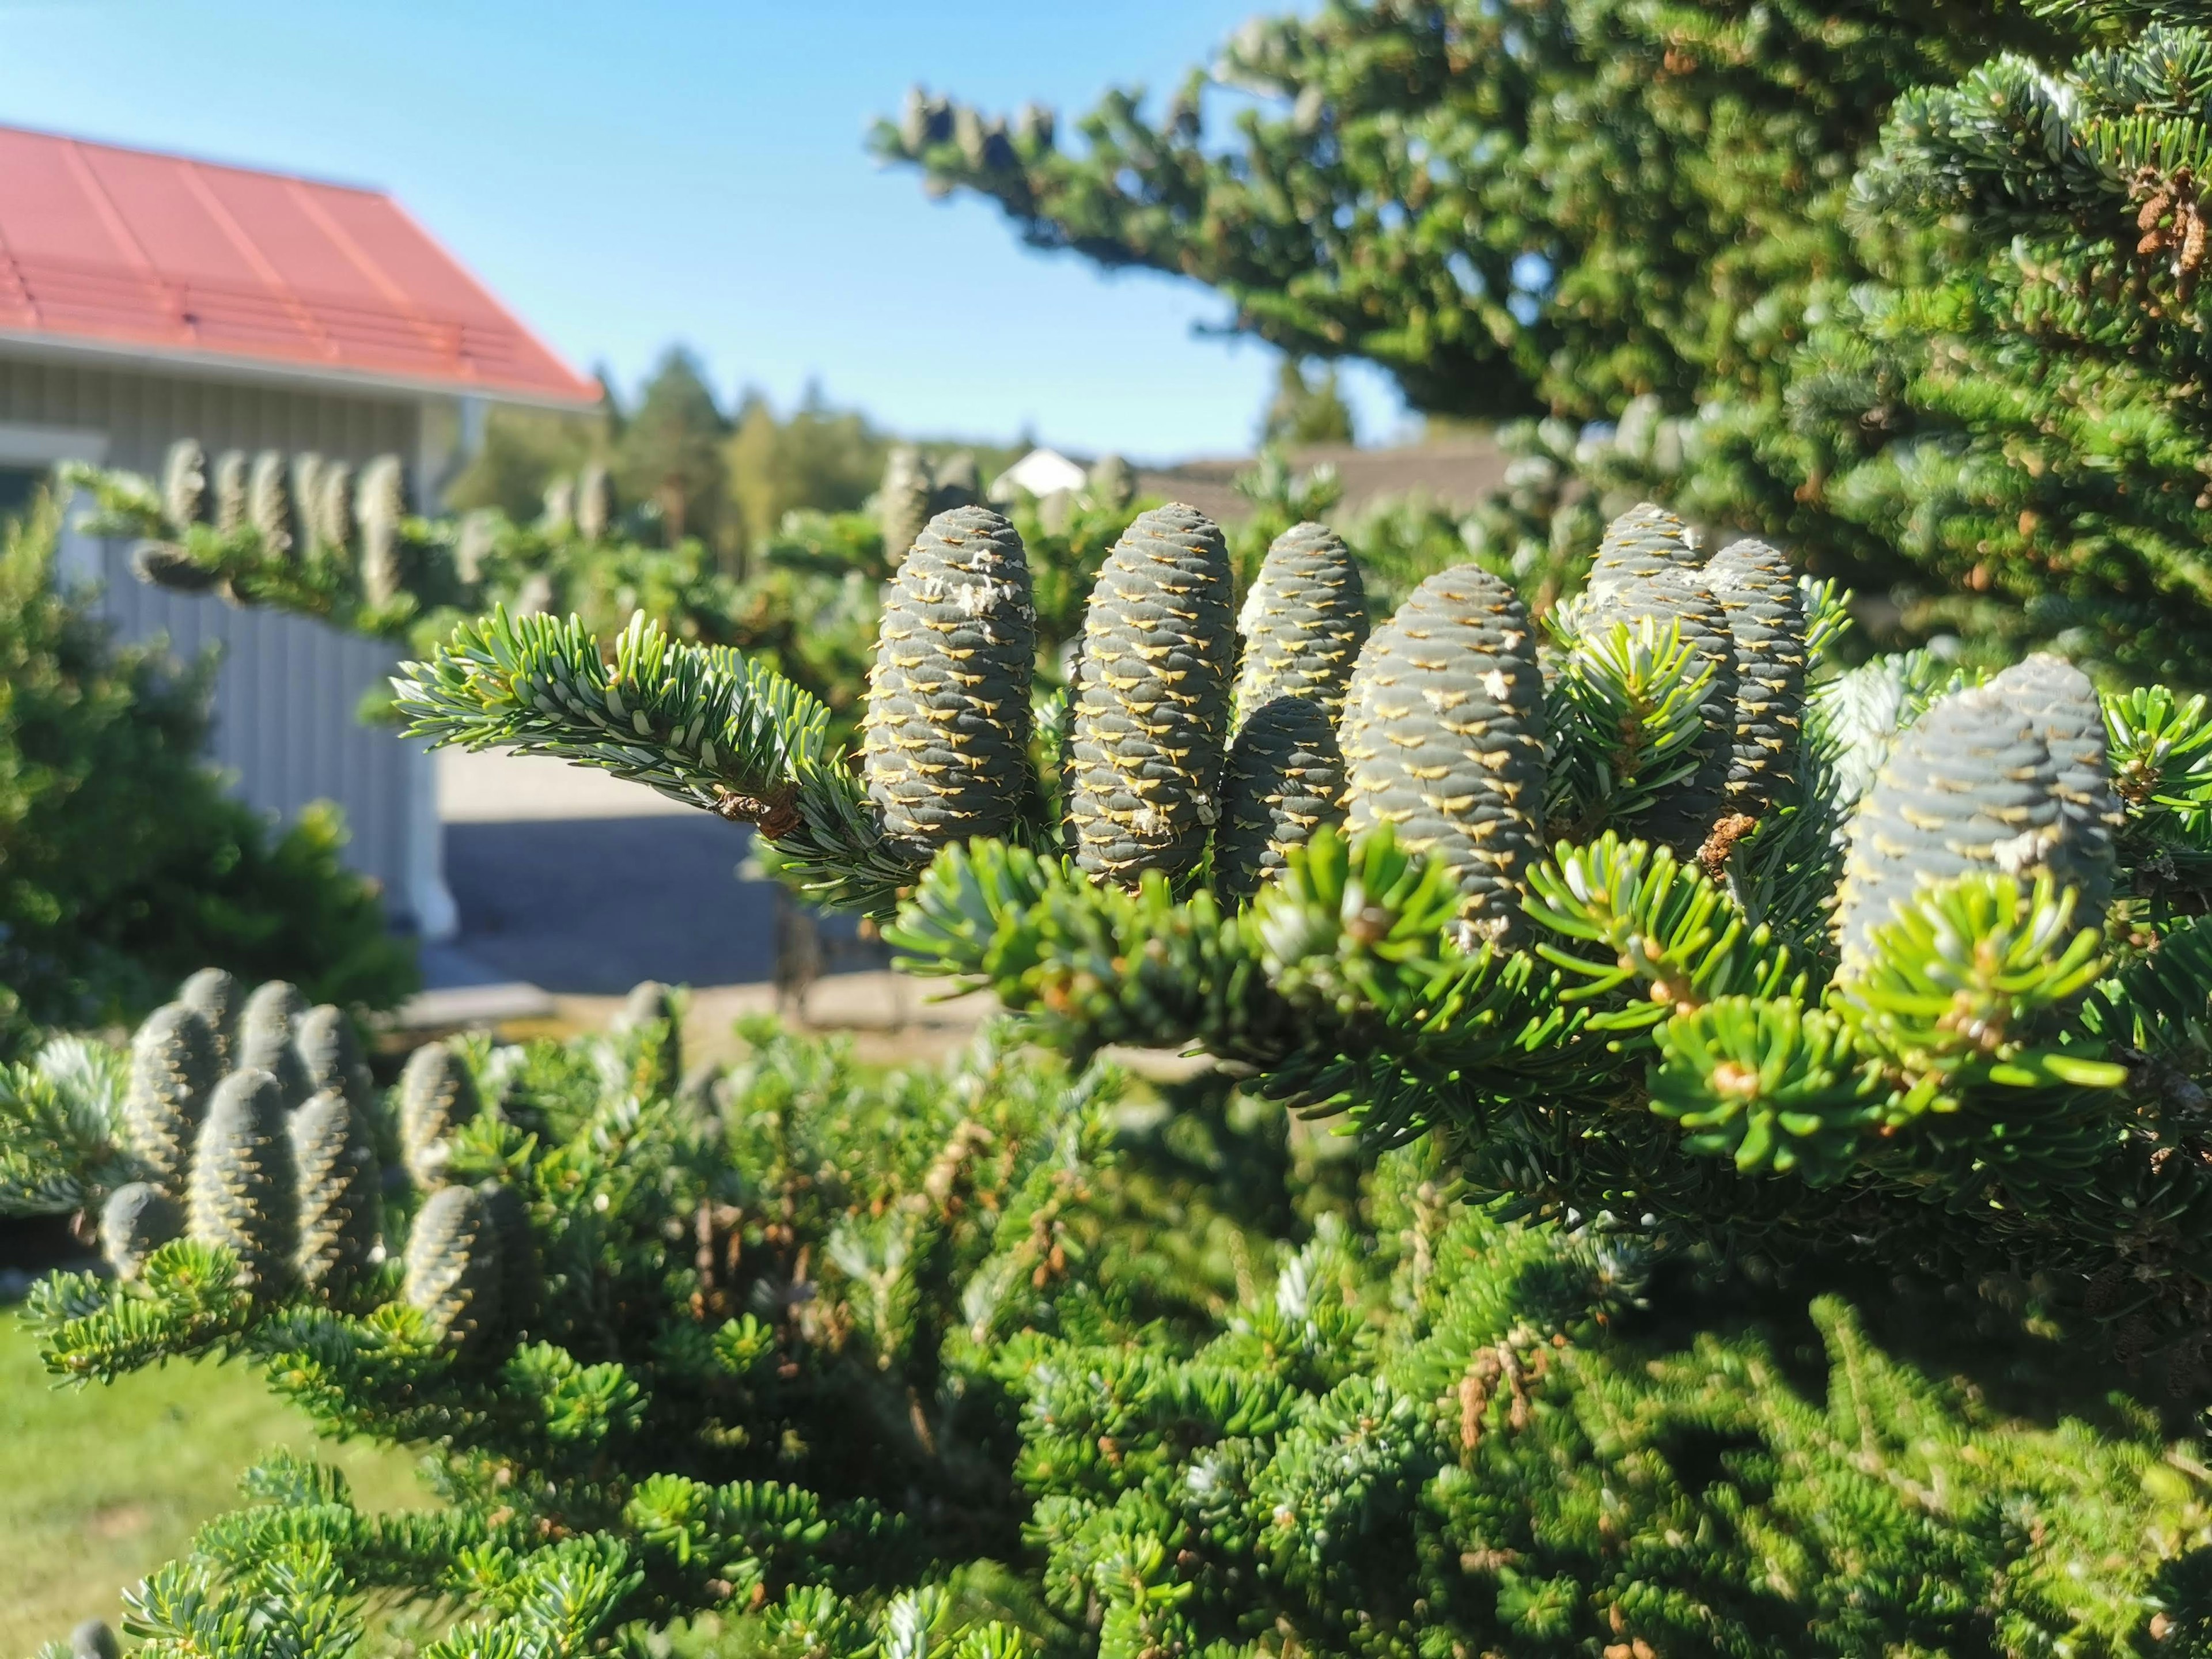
1942, 338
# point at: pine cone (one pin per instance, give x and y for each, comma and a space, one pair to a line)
648, 1005
595, 502
955, 481
1970, 786
1685, 813
338, 1192
93, 1640
453, 1271
1150, 719
269, 502
947, 749
1642, 541
214, 995
437, 1096
174, 1069
330, 1056
136, 1221
902, 501
233, 486
1444, 739
330, 511
184, 484
242, 1192
2062, 708
1304, 622
519, 1278
164, 564
266, 1027
1286, 780
378, 509
1112, 482
1767, 620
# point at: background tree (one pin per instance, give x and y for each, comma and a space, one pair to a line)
523, 451
822, 458
669, 451
1304, 411
1587, 209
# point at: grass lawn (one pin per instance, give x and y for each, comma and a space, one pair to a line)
99, 1486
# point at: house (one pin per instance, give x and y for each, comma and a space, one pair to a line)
1041, 472
1455, 471
147, 297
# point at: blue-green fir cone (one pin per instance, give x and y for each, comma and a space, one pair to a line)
1302, 624
330, 1055
649, 1004
173, 1069
437, 1096
1149, 732
268, 501
266, 1027
1758, 591
1285, 780
217, 996
902, 501
136, 1220
945, 751
241, 1195
379, 508
520, 1281
338, 1189
1444, 735
2062, 705
453, 1275
1643, 542
233, 470
1683, 814
1970, 786
185, 483
93, 1640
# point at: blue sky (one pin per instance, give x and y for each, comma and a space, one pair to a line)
624, 175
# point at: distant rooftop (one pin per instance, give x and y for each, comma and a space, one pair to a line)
1456, 471
134, 253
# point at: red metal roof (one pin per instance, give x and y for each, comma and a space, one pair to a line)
126, 248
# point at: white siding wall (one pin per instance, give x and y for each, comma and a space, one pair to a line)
287, 688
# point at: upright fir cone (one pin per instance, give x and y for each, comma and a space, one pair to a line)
1643, 542
1685, 813
1151, 715
595, 502
661, 1069
330, 511
308, 468
184, 484
215, 996
233, 470
1285, 780
242, 1193
173, 1069
1766, 619
1304, 622
1970, 787
136, 1220
380, 507
2062, 708
266, 1027
902, 501
945, 752
1444, 739
338, 1192
330, 1056
269, 502
437, 1096
519, 1278
454, 1272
